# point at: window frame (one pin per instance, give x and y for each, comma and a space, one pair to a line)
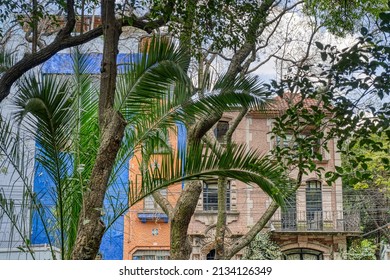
288, 141
213, 186
314, 207
151, 255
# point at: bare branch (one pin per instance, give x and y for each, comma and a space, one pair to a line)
235, 123
284, 12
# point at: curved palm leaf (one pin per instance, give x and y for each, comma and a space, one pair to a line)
18, 157
237, 162
150, 76
44, 105
61, 114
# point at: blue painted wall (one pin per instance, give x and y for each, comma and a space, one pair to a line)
61, 63
111, 247
112, 243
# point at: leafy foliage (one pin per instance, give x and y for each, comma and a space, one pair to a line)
362, 250
262, 248
345, 16
352, 88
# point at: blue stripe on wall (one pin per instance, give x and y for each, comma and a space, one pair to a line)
182, 144
62, 63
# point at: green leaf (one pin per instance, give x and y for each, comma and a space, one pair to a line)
324, 56
339, 169
364, 31
385, 160
319, 45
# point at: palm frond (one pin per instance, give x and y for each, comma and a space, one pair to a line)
44, 104
151, 76
237, 162
84, 140
18, 159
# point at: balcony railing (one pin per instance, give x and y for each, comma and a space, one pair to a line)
323, 221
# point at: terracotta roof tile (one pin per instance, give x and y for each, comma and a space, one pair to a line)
281, 104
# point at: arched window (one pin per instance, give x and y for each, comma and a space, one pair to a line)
314, 205
303, 254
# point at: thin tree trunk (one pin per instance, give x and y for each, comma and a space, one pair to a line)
222, 213
35, 26
247, 238
221, 220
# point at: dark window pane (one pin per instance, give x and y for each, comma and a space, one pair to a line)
221, 130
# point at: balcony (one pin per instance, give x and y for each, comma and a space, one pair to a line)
316, 221
153, 215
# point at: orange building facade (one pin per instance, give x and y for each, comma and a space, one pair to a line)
313, 226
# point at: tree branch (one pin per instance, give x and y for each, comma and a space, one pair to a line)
64, 40
260, 224
163, 202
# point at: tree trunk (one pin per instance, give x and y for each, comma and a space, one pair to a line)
247, 238
180, 245
221, 220
112, 127
91, 227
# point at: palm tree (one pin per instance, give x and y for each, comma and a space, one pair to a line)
153, 95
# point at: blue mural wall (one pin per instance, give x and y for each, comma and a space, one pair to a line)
44, 187
62, 63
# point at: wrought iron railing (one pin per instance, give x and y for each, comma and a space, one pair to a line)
327, 221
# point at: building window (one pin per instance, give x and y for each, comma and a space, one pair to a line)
314, 205
210, 196
151, 205
221, 130
289, 141
151, 255
303, 254
289, 214
284, 142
